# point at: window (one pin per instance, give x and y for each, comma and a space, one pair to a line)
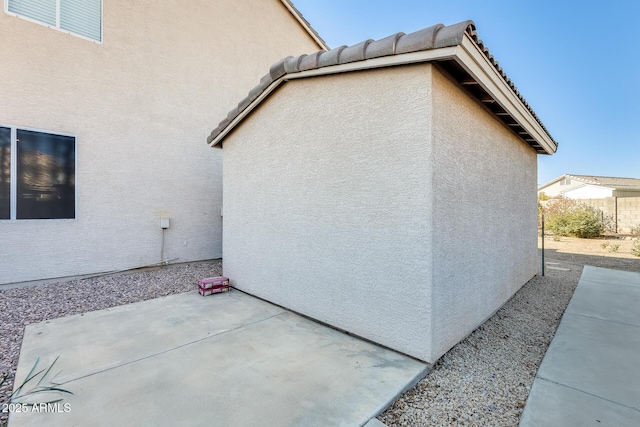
5, 173
37, 174
80, 17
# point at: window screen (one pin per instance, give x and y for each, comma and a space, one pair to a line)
45, 175
82, 17
5, 173
40, 10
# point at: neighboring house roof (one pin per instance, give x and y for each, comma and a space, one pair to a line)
456, 48
602, 181
305, 24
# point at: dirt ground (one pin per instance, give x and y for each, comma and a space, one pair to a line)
600, 252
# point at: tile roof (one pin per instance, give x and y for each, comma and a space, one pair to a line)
434, 37
608, 181
298, 15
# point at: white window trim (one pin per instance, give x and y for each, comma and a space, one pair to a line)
57, 27
14, 172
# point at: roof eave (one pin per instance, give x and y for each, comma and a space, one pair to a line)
553, 181
385, 61
467, 55
305, 24
476, 63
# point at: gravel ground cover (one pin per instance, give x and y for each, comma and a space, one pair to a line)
31, 304
482, 381
486, 378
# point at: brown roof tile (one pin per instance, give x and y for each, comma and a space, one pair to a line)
434, 37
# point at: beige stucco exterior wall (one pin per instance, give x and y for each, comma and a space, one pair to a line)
484, 183
588, 192
327, 203
141, 105
560, 187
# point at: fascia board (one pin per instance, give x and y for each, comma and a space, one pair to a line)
478, 66
218, 139
296, 14
553, 181
385, 61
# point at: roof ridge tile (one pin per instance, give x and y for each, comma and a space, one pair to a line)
383, 47
277, 70
330, 57
354, 53
452, 35
310, 62
433, 37
418, 40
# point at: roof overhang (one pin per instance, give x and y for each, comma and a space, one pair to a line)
479, 76
305, 24
501, 99
456, 50
553, 181
598, 181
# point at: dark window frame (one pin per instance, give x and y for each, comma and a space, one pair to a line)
43, 175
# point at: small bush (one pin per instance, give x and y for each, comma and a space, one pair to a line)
566, 217
635, 230
635, 249
613, 248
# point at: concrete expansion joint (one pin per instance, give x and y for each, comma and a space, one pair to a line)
217, 334
603, 320
587, 393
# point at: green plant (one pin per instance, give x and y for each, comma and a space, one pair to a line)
635, 249
566, 217
613, 248
556, 238
604, 245
635, 230
44, 385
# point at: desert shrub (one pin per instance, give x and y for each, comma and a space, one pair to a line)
608, 223
635, 249
566, 217
635, 230
610, 247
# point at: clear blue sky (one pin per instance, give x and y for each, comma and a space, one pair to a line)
577, 63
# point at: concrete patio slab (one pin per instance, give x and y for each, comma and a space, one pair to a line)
597, 357
115, 336
617, 301
557, 406
589, 375
224, 360
374, 422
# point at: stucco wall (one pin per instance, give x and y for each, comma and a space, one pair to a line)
327, 199
485, 245
560, 187
141, 105
588, 192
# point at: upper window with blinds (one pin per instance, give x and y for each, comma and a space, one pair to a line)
79, 17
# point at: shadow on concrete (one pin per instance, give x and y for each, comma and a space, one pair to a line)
626, 264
